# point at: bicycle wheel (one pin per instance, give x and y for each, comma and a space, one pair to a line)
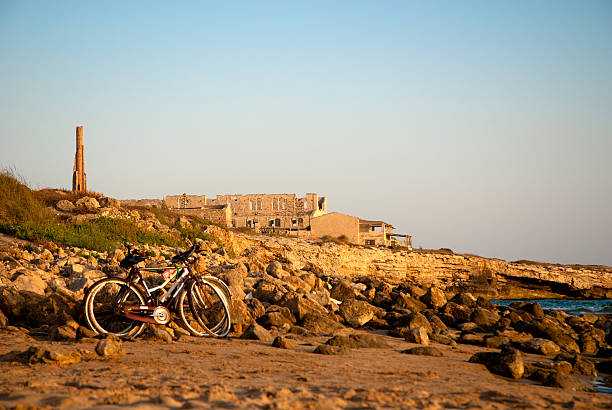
222, 286
104, 307
209, 308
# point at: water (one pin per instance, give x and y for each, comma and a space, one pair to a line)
573, 307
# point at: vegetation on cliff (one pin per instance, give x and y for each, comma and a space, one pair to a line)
25, 214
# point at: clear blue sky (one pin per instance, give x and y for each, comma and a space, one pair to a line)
481, 126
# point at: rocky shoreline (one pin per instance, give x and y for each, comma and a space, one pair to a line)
314, 302
282, 296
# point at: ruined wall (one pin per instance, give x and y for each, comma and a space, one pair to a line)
185, 201
221, 215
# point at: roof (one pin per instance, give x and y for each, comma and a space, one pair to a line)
374, 223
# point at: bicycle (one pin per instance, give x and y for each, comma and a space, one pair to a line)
123, 306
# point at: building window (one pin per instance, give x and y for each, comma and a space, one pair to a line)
284, 203
277, 222
371, 242
271, 222
251, 205
233, 224
305, 204
294, 222
249, 223
259, 204
300, 222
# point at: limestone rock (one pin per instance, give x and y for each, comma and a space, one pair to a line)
256, 332
330, 350
540, 346
3, 320
418, 335
509, 362
64, 206
434, 298
109, 347
87, 203
484, 317
320, 323
282, 343
360, 340
275, 269
356, 313
30, 281
424, 351
566, 382
343, 291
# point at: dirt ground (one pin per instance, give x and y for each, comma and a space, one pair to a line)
229, 373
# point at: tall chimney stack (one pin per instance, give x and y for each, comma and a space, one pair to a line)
79, 179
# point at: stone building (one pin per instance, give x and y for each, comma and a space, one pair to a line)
356, 230
282, 212
79, 178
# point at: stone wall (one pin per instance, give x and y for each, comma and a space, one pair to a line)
221, 215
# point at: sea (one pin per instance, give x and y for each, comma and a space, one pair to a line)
571, 306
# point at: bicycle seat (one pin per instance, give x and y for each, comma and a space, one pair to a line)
132, 259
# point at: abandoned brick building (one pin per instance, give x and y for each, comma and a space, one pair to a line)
304, 217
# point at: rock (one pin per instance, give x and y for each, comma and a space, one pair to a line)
356, 313
566, 382
330, 350
160, 334
35, 354
240, 313
404, 301
275, 269
277, 318
495, 342
459, 313
360, 340
62, 333
256, 332
109, 347
472, 339
301, 305
30, 281
4, 322
343, 291
413, 320
54, 309
434, 298
64, 206
424, 351
418, 335
509, 362
484, 317
320, 323
87, 203
540, 346
442, 339
83, 332
464, 299
282, 343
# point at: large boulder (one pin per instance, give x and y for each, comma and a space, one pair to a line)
64, 206
256, 332
424, 351
540, 346
404, 301
484, 317
413, 320
30, 281
508, 362
320, 323
275, 269
343, 291
434, 298
418, 335
464, 299
300, 305
356, 313
87, 203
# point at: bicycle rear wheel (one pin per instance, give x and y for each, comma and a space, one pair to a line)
104, 307
208, 310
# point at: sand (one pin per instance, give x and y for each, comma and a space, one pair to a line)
229, 373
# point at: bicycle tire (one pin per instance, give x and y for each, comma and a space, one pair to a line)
221, 285
102, 304
209, 307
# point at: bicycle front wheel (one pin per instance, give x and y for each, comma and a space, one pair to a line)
208, 310
104, 307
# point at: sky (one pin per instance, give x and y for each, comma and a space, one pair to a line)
483, 127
